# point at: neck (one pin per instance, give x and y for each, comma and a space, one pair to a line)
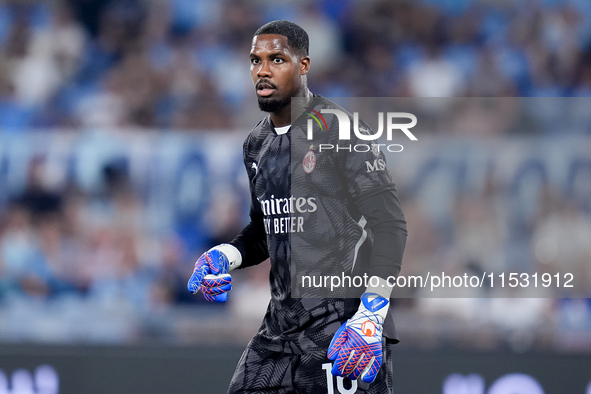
283, 116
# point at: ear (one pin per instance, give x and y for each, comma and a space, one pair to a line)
304, 65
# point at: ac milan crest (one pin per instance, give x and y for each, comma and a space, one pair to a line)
309, 162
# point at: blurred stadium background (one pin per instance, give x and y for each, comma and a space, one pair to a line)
121, 124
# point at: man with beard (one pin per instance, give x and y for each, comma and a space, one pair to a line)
345, 214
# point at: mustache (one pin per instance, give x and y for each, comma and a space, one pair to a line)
265, 84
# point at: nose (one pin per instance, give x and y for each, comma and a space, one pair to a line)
264, 70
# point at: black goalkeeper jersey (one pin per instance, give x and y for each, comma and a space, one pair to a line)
317, 213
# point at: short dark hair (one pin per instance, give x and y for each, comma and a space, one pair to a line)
297, 38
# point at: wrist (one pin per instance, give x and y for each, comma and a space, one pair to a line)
232, 253
374, 303
380, 287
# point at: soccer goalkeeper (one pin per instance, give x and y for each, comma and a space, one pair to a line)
352, 215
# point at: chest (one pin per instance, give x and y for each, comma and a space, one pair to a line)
288, 165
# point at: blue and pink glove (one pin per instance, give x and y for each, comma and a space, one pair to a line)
211, 272
357, 345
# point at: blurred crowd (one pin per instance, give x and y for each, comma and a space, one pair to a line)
104, 263
183, 64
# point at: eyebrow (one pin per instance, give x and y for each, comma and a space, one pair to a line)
274, 54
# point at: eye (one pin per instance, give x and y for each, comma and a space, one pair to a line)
254, 61
278, 60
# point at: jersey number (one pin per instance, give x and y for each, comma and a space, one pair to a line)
340, 386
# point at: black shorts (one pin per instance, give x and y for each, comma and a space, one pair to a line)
263, 371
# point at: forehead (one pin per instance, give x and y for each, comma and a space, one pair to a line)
270, 43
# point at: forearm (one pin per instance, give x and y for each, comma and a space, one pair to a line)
387, 251
386, 221
251, 242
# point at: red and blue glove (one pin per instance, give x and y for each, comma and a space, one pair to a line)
357, 345
211, 273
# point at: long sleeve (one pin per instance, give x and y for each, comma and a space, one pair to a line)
386, 221
252, 240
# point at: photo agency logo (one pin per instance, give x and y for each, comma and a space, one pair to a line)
392, 124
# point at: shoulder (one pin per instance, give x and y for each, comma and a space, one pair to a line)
330, 113
320, 103
258, 133
321, 118
343, 124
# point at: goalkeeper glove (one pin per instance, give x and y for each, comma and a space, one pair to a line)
211, 272
357, 345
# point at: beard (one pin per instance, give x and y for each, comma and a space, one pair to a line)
272, 105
